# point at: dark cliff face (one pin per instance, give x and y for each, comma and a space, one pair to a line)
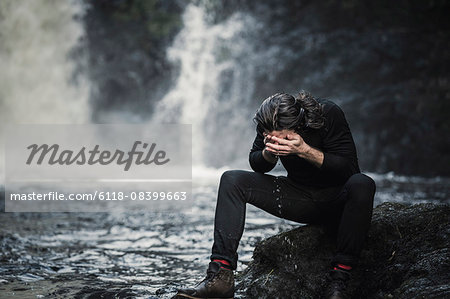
126, 42
406, 256
385, 62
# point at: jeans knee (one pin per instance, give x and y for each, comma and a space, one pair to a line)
362, 181
363, 185
231, 177
233, 184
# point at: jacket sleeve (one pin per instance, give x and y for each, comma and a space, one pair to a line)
256, 159
339, 150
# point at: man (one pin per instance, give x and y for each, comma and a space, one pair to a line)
323, 185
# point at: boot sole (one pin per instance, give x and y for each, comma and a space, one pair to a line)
190, 297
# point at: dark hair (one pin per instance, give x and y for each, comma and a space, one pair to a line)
283, 111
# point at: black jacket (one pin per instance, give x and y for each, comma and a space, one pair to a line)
334, 139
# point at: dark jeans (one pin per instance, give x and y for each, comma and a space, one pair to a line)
348, 209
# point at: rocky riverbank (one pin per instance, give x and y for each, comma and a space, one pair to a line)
406, 256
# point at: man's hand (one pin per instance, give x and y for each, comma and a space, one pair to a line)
294, 144
269, 156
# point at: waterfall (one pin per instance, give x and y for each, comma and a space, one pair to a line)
214, 86
217, 69
36, 71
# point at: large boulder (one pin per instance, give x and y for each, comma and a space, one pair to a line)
406, 255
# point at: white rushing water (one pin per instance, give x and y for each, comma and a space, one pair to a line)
215, 83
36, 71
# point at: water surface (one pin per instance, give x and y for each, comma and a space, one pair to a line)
144, 254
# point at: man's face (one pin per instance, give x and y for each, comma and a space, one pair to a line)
280, 134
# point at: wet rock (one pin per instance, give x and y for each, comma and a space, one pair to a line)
406, 255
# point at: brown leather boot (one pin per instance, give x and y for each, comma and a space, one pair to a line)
219, 283
337, 284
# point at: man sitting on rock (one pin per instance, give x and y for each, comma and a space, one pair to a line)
323, 185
